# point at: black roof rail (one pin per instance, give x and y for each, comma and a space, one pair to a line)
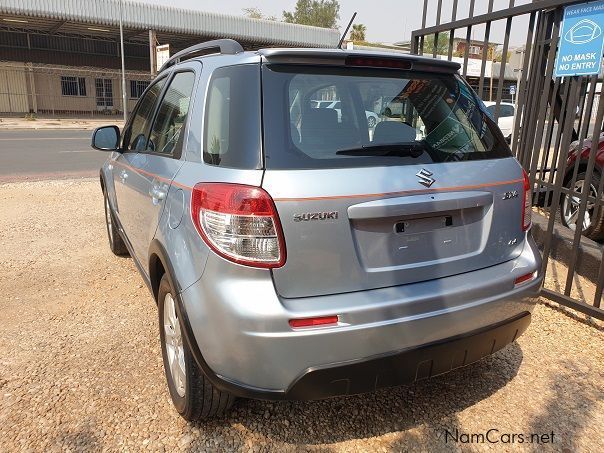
222, 46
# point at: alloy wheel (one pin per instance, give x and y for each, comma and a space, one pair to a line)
570, 207
109, 220
174, 345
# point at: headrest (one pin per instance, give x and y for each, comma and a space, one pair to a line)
320, 118
393, 132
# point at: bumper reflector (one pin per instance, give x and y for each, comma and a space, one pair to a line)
313, 322
525, 278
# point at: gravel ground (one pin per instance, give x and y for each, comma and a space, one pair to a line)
80, 363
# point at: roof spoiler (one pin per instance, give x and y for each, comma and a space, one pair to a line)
217, 46
337, 57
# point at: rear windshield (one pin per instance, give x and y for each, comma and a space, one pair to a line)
326, 117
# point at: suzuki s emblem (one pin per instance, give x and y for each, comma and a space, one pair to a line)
425, 177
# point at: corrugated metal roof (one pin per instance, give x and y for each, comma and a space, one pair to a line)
144, 16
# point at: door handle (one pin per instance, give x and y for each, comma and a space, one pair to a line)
157, 194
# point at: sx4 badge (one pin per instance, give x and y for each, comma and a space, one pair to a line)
509, 195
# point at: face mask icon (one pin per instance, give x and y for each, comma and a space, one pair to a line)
583, 32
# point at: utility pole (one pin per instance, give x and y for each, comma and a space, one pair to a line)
124, 99
491, 80
520, 69
153, 52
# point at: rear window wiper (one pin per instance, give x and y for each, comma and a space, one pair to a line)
406, 149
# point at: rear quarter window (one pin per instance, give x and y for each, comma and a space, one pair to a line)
232, 126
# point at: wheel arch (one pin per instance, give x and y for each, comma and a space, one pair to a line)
159, 264
582, 168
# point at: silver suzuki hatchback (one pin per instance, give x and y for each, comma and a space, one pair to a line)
300, 249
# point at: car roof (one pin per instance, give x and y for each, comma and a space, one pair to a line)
231, 52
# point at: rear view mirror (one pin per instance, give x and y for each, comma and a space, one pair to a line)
106, 138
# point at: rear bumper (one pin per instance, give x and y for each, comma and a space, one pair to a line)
238, 329
405, 367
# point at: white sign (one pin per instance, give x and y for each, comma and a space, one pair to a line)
474, 66
581, 40
162, 54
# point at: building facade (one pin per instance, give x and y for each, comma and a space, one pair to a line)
63, 57
476, 48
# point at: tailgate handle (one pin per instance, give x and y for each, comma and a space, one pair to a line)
419, 204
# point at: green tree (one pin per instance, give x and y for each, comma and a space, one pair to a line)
255, 13
442, 47
320, 13
499, 54
358, 33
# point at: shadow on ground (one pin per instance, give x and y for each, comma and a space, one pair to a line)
576, 409
432, 403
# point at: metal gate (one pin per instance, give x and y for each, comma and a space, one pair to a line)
44, 90
557, 125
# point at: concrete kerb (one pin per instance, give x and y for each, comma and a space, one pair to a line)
57, 123
589, 253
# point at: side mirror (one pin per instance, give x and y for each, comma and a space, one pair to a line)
106, 138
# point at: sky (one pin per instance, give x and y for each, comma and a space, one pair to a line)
386, 20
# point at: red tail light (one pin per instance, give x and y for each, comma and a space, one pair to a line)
528, 203
239, 223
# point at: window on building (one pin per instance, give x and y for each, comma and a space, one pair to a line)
474, 50
137, 87
73, 86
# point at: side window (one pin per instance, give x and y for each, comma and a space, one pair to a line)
218, 124
232, 136
172, 114
135, 138
506, 111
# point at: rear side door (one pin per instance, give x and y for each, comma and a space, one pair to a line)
154, 168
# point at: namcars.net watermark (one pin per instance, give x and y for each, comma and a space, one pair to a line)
496, 436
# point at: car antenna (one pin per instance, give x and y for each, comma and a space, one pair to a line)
346, 31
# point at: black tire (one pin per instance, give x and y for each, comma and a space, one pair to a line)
596, 230
116, 243
201, 400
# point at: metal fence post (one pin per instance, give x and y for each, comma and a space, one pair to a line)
124, 97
